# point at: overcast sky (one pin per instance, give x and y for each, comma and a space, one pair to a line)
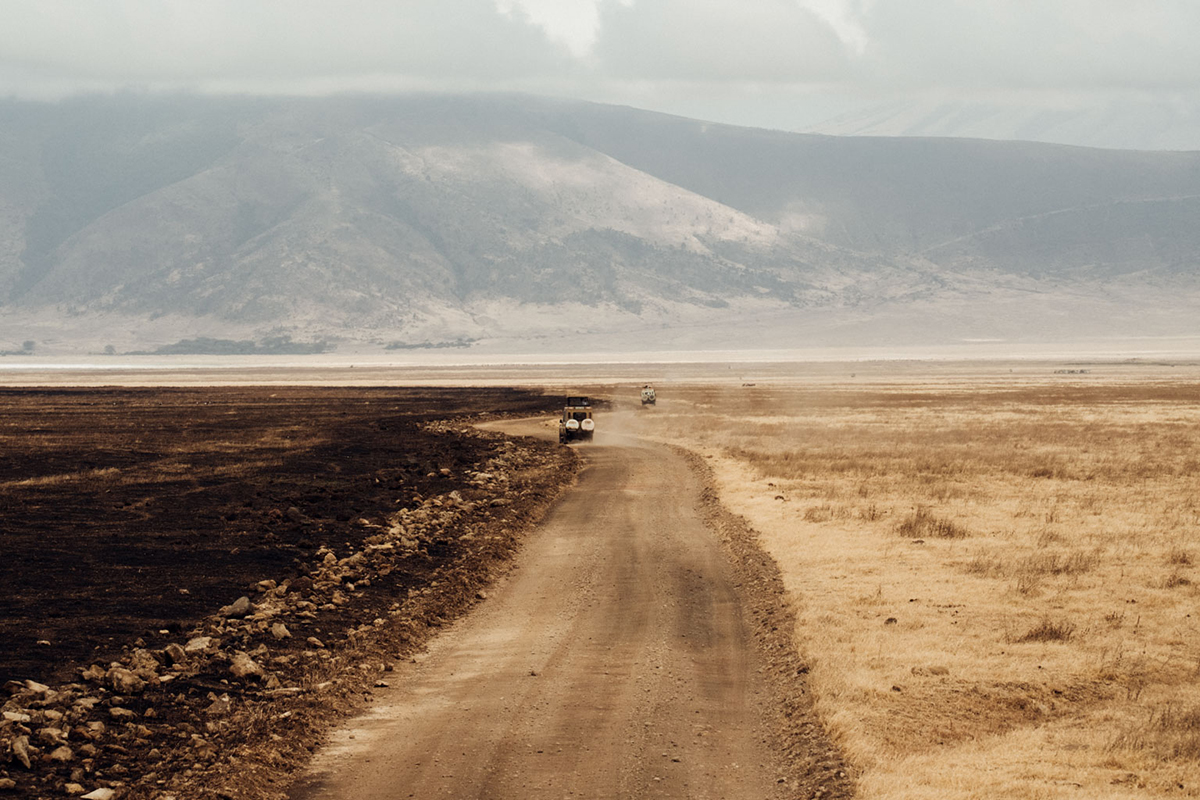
772, 63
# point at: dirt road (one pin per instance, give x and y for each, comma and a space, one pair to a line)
613, 662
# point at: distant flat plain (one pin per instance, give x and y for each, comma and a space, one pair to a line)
995, 563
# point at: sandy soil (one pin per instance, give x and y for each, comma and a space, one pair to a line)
615, 661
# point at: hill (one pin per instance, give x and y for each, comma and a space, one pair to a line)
151, 220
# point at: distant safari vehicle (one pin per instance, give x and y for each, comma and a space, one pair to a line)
649, 398
576, 422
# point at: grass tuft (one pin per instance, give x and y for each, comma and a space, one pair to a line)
1048, 631
1177, 579
1179, 558
1172, 732
922, 524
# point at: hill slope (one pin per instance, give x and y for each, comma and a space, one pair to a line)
435, 218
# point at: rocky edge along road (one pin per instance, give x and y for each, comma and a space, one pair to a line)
639, 647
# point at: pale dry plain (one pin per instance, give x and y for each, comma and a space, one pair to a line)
995, 574
994, 564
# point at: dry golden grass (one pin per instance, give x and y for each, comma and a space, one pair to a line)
996, 587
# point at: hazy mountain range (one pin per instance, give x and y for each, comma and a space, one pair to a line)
1135, 122
141, 221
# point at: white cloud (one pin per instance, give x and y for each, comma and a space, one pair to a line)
844, 16
190, 43
1050, 44
774, 63
573, 23
717, 40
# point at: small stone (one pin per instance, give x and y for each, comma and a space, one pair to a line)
74, 789
280, 631
20, 749
36, 688
144, 663
238, 608
62, 754
220, 706
175, 653
265, 586
243, 666
51, 736
7, 783
93, 673
122, 713
15, 716
124, 681
103, 793
197, 644
315, 642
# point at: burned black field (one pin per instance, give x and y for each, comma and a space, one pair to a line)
127, 512
297, 540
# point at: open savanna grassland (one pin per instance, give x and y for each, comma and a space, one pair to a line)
996, 583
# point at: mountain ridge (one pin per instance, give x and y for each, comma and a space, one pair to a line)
418, 218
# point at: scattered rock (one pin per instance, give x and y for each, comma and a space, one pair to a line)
197, 644
74, 789
62, 754
237, 609
124, 681
243, 666
93, 673
20, 749
7, 784
51, 736
102, 793
175, 653
220, 706
280, 631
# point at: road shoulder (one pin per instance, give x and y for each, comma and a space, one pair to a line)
814, 763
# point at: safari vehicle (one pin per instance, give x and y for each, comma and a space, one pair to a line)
576, 422
648, 396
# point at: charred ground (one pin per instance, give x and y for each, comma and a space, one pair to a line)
126, 512
129, 517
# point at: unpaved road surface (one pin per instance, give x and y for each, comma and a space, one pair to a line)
614, 661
